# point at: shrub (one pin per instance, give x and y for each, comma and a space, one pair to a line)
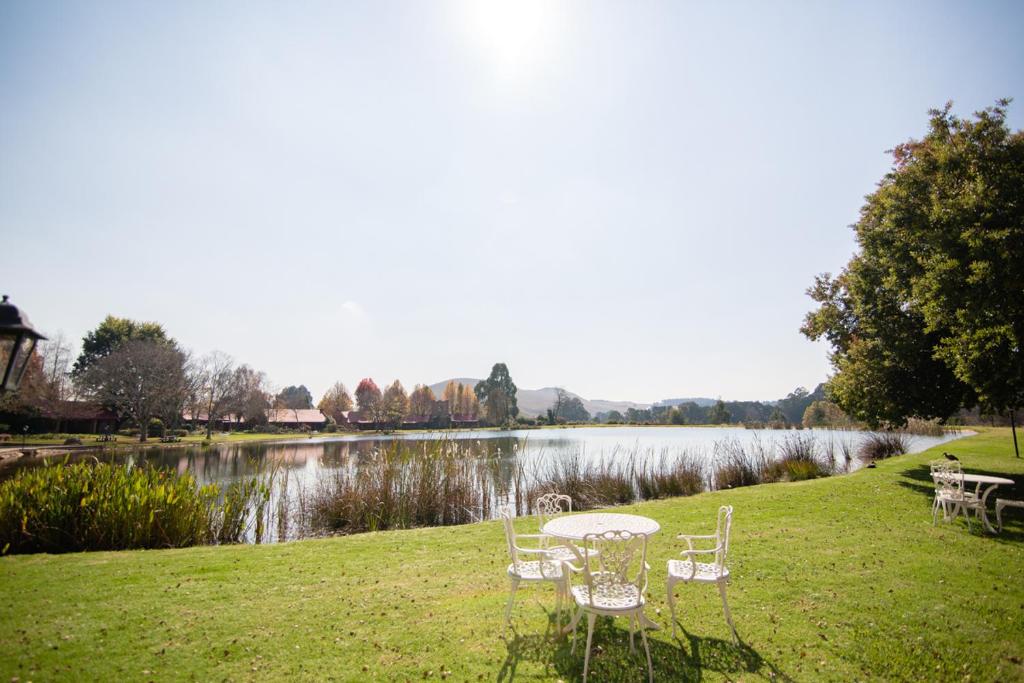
128, 431
100, 506
72, 441
733, 467
881, 445
797, 459
179, 432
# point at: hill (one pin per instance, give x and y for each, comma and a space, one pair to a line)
534, 402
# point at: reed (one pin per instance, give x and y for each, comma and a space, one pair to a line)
798, 457
100, 506
881, 445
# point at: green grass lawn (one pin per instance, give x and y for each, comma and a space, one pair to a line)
833, 579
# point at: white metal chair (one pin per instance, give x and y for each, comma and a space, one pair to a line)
704, 572
1002, 503
545, 507
614, 568
544, 568
950, 493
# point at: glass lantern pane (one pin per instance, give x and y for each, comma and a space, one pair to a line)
19, 361
6, 346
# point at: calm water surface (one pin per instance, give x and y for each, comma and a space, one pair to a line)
307, 459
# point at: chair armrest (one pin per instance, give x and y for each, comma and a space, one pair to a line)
691, 551
683, 537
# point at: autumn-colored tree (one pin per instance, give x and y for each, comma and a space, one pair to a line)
395, 404
336, 402
469, 405
421, 401
450, 394
368, 398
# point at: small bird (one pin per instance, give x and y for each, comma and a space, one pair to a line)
950, 456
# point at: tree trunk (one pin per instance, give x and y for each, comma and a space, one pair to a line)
143, 430
1013, 428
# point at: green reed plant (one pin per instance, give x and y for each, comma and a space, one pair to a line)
100, 506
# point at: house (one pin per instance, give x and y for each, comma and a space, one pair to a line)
225, 423
74, 417
465, 420
297, 418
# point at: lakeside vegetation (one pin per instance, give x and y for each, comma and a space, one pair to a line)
841, 578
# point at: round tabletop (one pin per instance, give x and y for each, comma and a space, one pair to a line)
577, 526
987, 479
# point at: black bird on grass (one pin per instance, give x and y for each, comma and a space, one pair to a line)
950, 456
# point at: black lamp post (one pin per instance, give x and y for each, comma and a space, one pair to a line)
17, 342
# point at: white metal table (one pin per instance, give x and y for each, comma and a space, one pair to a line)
575, 527
991, 484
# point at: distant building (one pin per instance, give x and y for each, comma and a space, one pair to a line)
296, 418
74, 417
226, 423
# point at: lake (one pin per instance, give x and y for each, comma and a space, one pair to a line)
303, 464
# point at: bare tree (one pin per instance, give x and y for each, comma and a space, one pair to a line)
219, 388
58, 389
252, 397
140, 379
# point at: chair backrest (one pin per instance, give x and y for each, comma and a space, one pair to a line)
507, 513
722, 532
621, 562
550, 505
948, 476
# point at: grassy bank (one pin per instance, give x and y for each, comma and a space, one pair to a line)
841, 578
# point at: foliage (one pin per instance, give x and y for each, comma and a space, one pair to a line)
336, 403
880, 445
567, 408
140, 380
85, 506
421, 401
497, 393
112, 333
825, 414
294, 398
219, 387
395, 403
250, 399
368, 396
927, 317
718, 414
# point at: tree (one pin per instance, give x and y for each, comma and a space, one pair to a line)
336, 403
469, 405
395, 404
567, 408
421, 401
824, 414
251, 396
219, 387
497, 393
368, 398
113, 332
138, 380
718, 415
927, 317
614, 417
295, 398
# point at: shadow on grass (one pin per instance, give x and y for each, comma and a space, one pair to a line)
686, 659
919, 480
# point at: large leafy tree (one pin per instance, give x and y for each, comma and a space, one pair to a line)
294, 398
421, 401
139, 379
113, 332
928, 315
497, 393
336, 402
395, 404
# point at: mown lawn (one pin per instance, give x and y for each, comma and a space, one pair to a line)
833, 579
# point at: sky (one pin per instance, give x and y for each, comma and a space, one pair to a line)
628, 200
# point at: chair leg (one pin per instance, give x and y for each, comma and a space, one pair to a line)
725, 608
999, 515
511, 599
591, 618
558, 604
672, 604
935, 512
573, 625
632, 632
647, 649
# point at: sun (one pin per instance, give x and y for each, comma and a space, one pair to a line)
515, 36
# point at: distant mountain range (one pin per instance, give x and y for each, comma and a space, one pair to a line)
534, 402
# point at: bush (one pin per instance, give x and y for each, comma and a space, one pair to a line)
72, 441
178, 432
798, 459
156, 427
881, 445
128, 431
100, 506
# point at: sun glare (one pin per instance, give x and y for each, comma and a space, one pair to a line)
517, 36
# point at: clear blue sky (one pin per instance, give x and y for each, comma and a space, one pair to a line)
626, 199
